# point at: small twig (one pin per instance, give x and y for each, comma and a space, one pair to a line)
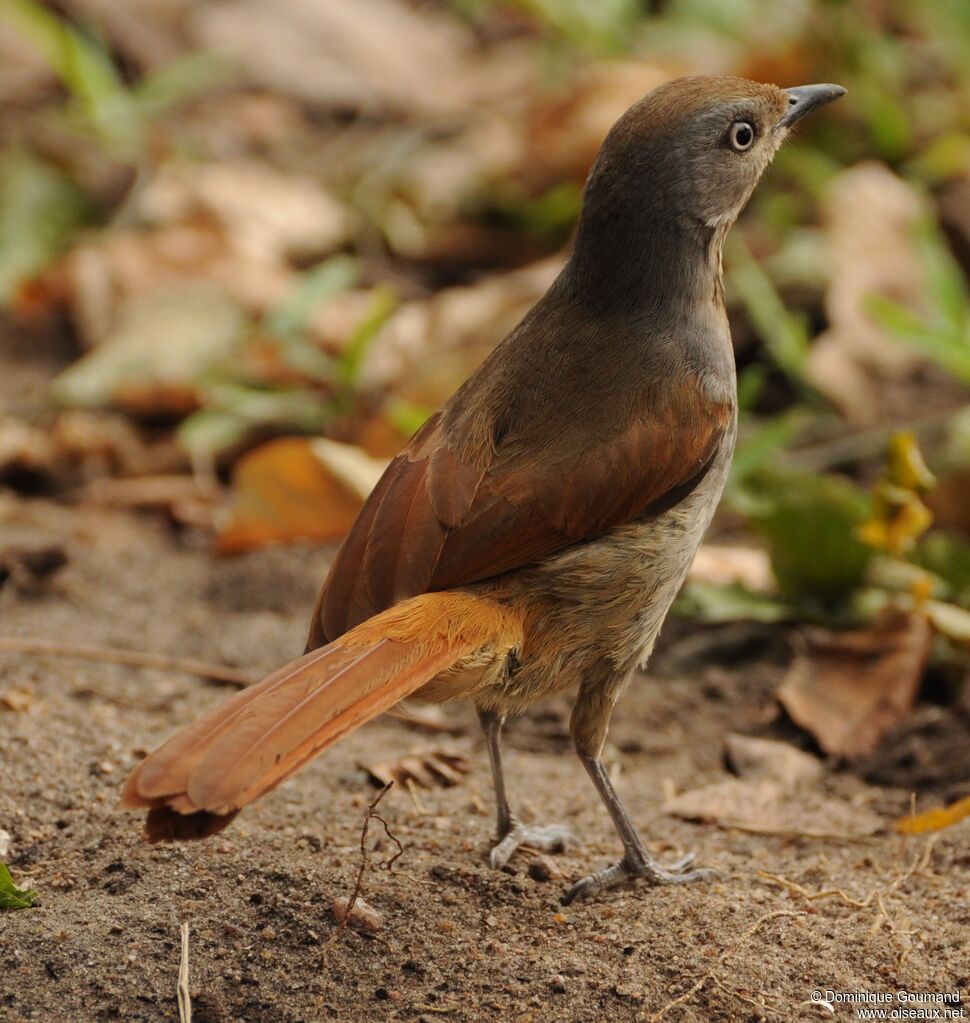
184, 998
710, 975
919, 864
359, 884
131, 658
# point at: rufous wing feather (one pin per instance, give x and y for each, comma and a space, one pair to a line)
200, 778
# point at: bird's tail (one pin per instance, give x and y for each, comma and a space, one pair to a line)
198, 781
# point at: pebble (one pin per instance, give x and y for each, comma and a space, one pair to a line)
541, 868
363, 915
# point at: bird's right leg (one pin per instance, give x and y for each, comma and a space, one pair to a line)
511, 832
589, 724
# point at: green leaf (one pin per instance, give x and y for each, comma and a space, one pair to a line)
40, 212
706, 602
314, 289
383, 303
12, 897
179, 81
811, 524
84, 65
944, 277
947, 556
759, 444
784, 334
941, 344
406, 417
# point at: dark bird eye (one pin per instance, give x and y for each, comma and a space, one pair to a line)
741, 136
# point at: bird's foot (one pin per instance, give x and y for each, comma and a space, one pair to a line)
628, 869
549, 838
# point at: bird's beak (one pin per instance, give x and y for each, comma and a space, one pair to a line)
803, 99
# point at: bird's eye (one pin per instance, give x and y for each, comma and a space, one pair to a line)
741, 136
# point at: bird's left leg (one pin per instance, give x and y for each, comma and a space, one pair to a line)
511, 832
589, 724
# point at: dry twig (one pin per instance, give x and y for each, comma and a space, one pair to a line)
131, 658
359, 884
920, 863
725, 956
182, 991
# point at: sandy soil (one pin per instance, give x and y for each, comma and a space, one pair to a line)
458, 941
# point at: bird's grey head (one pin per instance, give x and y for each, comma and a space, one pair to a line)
679, 166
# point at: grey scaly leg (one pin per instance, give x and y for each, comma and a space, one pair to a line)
512, 833
636, 861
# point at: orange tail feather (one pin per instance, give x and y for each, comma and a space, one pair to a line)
197, 781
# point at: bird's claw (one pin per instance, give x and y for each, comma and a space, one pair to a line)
628, 870
547, 838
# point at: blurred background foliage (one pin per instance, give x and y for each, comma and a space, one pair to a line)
230, 229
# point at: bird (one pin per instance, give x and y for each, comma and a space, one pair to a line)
531, 536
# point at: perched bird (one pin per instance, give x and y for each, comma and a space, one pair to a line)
533, 533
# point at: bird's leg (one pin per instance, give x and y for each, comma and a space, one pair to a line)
511, 832
637, 862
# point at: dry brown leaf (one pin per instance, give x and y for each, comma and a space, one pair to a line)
770, 807
282, 491
25, 447
163, 343
566, 129
772, 760
264, 214
848, 689
372, 55
102, 277
870, 214
424, 768
721, 565
427, 348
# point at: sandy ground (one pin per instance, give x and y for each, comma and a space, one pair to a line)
458, 941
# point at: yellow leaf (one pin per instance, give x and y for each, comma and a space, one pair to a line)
934, 820
906, 466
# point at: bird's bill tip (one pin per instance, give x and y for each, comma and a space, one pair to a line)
803, 99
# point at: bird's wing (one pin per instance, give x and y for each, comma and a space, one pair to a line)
437, 521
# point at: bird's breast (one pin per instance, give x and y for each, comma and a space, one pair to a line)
606, 599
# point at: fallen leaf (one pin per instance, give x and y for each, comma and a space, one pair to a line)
281, 491
772, 760
427, 348
770, 807
937, 819
721, 565
165, 341
424, 768
263, 214
12, 897
849, 689
870, 214
949, 620
188, 499
24, 447
377, 56
354, 468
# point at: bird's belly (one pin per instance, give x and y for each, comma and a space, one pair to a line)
599, 606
